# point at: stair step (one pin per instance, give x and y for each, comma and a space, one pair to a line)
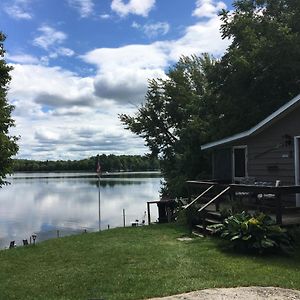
207, 229
216, 214
198, 226
211, 207
212, 221
197, 234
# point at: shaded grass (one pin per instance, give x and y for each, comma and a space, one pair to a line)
135, 263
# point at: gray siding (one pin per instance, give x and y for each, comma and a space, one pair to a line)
270, 155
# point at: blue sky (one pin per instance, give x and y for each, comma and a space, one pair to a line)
79, 63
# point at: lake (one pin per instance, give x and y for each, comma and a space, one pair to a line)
42, 203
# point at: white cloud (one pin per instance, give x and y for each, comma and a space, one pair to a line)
136, 25
84, 7
19, 9
202, 37
123, 72
50, 86
126, 85
105, 16
133, 56
75, 116
208, 8
136, 7
153, 29
54, 109
47, 135
63, 51
22, 58
49, 36
51, 40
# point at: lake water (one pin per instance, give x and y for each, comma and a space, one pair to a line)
43, 203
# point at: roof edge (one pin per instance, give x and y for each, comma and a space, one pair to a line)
267, 121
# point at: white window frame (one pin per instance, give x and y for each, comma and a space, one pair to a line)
297, 161
234, 178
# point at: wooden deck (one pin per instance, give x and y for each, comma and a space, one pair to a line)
277, 201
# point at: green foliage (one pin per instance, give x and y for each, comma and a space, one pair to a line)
204, 99
188, 217
294, 232
256, 233
173, 121
108, 163
261, 69
8, 146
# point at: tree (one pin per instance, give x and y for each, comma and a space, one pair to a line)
205, 99
8, 146
261, 69
173, 121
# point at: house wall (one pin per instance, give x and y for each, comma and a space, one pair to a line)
271, 152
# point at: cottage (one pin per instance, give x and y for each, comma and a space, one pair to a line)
249, 163
268, 152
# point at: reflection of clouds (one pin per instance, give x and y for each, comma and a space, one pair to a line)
40, 205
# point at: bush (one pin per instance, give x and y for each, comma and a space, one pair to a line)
254, 233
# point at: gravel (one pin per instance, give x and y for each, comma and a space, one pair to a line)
240, 293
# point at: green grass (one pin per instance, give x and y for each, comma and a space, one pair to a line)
134, 263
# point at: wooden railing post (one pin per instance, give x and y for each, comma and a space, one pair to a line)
189, 216
278, 208
148, 212
189, 193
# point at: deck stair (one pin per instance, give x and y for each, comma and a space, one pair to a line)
207, 204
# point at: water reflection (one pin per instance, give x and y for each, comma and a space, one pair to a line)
70, 204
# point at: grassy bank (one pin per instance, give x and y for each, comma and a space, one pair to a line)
134, 263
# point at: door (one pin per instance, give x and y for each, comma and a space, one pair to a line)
222, 165
239, 161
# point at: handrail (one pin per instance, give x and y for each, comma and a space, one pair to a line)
213, 199
197, 198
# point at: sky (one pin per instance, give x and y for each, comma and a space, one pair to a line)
80, 63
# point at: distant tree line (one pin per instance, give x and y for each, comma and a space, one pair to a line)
108, 163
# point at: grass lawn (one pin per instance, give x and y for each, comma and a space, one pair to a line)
134, 263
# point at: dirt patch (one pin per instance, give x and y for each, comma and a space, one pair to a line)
240, 293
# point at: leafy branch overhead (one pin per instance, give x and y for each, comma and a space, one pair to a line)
170, 105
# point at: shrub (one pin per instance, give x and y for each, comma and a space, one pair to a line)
255, 233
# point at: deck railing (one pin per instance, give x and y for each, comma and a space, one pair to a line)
250, 191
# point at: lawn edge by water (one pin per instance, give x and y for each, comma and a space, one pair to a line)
135, 263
